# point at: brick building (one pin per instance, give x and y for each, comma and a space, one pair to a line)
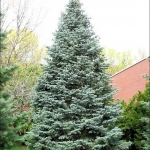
130, 80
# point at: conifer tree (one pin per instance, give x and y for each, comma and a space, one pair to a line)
146, 118
146, 127
73, 104
7, 134
135, 120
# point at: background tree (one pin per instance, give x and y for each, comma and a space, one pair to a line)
7, 134
131, 123
73, 108
141, 54
23, 49
118, 60
27, 55
23, 15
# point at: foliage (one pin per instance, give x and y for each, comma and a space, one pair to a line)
7, 133
118, 60
23, 124
146, 119
17, 148
131, 123
72, 105
22, 85
23, 50
146, 128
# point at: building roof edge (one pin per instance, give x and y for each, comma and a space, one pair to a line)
131, 66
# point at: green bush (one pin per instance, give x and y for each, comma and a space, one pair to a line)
131, 123
23, 124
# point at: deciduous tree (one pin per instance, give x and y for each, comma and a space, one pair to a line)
118, 60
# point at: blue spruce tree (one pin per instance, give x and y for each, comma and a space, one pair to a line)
73, 103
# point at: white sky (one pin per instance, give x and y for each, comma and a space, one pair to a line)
120, 24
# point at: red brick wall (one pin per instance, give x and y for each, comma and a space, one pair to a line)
130, 80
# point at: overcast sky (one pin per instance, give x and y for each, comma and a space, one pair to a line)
120, 24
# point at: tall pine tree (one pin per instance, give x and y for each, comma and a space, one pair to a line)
7, 134
73, 103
